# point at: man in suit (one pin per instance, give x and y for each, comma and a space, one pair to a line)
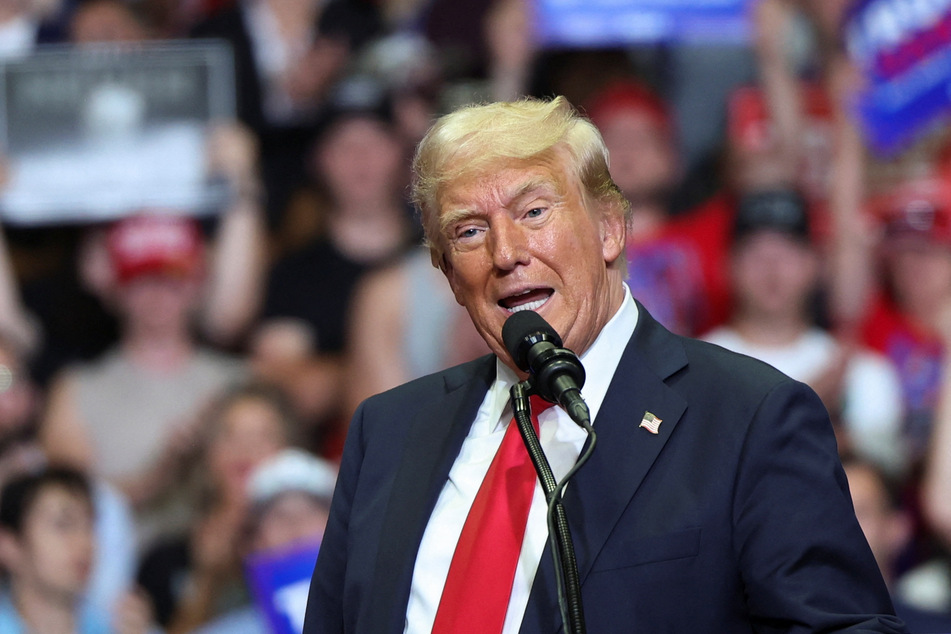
714, 500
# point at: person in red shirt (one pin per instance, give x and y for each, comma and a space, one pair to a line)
664, 270
907, 317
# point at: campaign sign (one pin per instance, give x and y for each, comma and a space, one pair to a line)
280, 582
904, 50
92, 133
597, 23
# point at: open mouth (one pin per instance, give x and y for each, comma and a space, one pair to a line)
532, 299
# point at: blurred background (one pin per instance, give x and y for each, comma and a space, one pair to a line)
208, 258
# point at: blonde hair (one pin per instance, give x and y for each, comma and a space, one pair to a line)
475, 138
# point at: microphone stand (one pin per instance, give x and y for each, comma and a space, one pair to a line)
565, 562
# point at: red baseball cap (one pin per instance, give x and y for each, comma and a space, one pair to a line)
919, 208
155, 244
629, 95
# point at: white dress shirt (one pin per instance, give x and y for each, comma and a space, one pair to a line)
562, 441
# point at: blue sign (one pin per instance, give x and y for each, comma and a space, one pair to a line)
904, 50
595, 23
280, 582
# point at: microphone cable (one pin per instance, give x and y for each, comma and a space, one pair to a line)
565, 564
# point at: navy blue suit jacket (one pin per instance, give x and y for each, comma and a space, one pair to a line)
735, 517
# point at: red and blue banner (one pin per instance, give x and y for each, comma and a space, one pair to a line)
595, 23
903, 48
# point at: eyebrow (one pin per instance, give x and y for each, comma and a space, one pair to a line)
449, 218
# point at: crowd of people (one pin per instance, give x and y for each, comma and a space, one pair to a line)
175, 390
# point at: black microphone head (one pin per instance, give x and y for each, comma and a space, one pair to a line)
523, 330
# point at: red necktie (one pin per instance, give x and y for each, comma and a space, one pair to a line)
476, 596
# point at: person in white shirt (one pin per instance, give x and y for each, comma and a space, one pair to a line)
775, 273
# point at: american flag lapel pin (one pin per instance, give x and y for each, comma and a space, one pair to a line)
651, 423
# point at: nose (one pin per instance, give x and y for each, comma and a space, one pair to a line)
508, 245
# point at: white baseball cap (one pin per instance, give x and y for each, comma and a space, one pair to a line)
292, 470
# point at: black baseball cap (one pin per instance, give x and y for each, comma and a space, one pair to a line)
778, 210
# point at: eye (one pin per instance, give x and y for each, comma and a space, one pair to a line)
535, 212
468, 233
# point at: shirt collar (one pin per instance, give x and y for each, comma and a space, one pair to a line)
601, 360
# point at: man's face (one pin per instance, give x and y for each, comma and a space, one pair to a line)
57, 544
522, 237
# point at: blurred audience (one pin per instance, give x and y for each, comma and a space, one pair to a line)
663, 269
288, 55
512, 49
195, 574
405, 323
101, 21
365, 223
907, 314
290, 502
888, 529
20, 454
17, 326
129, 416
775, 274
405, 66
26, 23
936, 480
82, 275
918, 334
791, 128
19, 403
47, 545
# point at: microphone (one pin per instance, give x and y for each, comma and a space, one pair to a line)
557, 374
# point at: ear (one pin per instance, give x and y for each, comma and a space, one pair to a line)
613, 234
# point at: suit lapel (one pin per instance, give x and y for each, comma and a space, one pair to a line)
433, 442
604, 487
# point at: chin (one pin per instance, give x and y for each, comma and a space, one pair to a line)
74, 590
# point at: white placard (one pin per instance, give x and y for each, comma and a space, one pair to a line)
95, 133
